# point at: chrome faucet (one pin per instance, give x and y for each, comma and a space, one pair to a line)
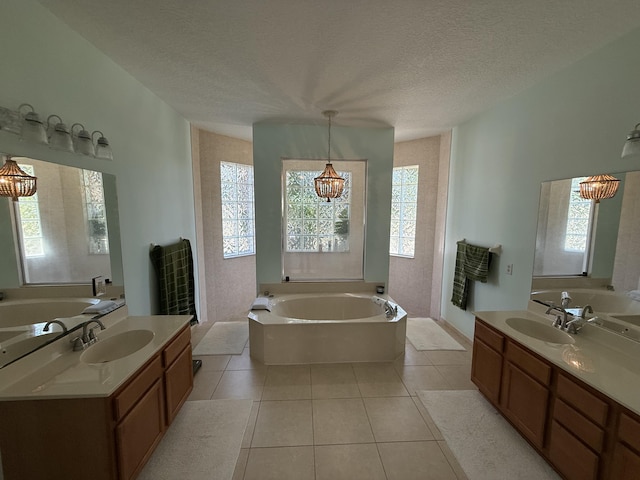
390, 310
575, 325
88, 336
561, 320
584, 311
48, 324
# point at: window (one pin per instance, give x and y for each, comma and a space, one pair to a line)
30, 223
578, 219
404, 207
95, 212
312, 223
236, 184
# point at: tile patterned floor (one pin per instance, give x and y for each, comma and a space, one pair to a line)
339, 421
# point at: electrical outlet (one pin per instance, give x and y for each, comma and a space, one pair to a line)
510, 269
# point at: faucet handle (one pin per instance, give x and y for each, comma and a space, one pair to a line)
78, 344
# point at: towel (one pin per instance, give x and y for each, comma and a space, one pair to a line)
173, 265
261, 303
472, 263
102, 307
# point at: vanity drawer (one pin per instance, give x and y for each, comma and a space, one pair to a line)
582, 428
174, 349
130, 395
629, 431
491, 338
582, 400
528, 363
570, 456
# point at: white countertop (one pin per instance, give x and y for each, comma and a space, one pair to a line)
56, 371
608, 362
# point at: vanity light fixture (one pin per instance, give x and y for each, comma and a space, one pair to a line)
329, 184
14, 182
599, 187
632, 145
31, 129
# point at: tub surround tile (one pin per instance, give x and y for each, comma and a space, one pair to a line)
281, 463
348, 462
396, 419
340, 421
415, 461
283, 424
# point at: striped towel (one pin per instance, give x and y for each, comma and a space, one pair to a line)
174, 270
472, 263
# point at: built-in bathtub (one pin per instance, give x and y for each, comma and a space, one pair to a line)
15, 313
326, 328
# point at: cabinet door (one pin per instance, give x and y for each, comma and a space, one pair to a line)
140, 431
486, 370
524, 401
626, 463
178, 382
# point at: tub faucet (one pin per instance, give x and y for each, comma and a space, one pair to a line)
390, 310
48, 324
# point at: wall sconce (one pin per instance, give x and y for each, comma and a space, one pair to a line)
329, 184
14, 182
31, 129
83, 143
599, 187
632, 145
103, 150
60, 138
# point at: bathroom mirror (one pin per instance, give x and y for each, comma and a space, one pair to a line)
577, 238
64, 236
68, 232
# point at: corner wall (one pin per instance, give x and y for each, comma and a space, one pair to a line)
573, 123
273, 142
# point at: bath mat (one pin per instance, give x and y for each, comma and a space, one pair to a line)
224, 338
202, 443
486, 446
425, 334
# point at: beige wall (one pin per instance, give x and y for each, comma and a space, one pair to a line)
414, 282
627, 262
227, 286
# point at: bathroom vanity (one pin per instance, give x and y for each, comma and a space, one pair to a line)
575, 399
101, 412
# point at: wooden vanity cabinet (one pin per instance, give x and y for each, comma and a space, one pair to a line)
525, 392
99, 438
486, 370
626, 454
580, 431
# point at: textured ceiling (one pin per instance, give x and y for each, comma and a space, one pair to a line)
421, 66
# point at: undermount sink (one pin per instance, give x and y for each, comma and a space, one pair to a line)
117, 346
546, 333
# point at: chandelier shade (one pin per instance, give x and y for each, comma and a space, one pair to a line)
14, 182
599, 187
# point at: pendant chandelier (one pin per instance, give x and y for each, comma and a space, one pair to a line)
329, 184
599, 187
14, 182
